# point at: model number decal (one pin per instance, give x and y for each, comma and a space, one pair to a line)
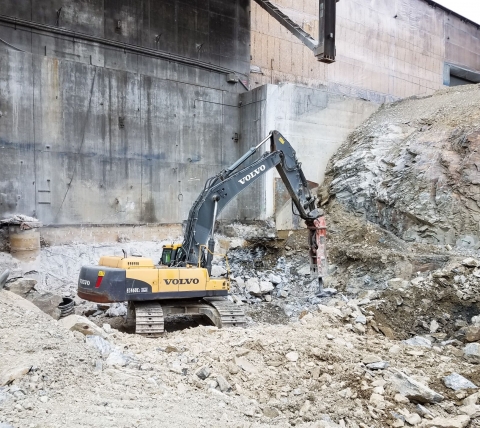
182, 281
252, 174
137, 290
84, 282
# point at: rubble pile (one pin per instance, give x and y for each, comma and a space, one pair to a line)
332, 368
439, 304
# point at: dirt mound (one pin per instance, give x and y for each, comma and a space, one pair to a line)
413, 168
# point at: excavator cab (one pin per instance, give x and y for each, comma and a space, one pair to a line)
170, 253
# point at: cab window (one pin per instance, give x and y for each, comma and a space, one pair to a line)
166, 256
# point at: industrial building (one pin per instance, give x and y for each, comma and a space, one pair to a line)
116, 112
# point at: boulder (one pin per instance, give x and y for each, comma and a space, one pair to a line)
81, 324
369, 359
303, 270
21, 286
397, 283
203, 373
9, 374
292, 356
3, 277
440, 422
240, 282
471, 353
470, 262
381, 365
223, 385
271, 412
414, 390
218, 271
472, 411
330, 310
100, 344
361, 319
252, 286
117, 359
417, 281
472, 333
471, 400
266, 287
116, 310
274, 279
419, 341
377, 400
245, 365
413, 419
457, 382
326, 292
423, 411
47, 302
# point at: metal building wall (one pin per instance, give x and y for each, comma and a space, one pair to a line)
91, 133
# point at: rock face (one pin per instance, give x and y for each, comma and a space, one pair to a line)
412, 168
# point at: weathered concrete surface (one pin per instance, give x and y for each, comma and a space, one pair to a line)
90, 134
315, 121
108, 233
386, 49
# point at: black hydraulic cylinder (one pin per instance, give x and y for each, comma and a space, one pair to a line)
233, 167
211, 248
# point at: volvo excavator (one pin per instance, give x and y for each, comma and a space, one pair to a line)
182, 283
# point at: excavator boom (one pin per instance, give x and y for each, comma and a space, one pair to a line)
182, 284
225, 186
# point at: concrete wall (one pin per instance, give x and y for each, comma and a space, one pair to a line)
386, 49
91, 133
315, 122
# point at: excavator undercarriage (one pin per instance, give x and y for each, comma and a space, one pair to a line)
148, 317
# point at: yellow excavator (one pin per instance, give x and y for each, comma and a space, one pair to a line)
182, 283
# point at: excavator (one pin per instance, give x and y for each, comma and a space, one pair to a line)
182, 283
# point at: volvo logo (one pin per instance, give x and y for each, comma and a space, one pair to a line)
254, 173
182, 281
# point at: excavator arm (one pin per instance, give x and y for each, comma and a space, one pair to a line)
222, 188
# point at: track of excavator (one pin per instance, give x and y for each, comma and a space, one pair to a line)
149, 316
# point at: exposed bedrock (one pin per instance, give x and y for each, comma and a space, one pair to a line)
414, 168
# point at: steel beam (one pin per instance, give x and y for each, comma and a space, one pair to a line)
324, 49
